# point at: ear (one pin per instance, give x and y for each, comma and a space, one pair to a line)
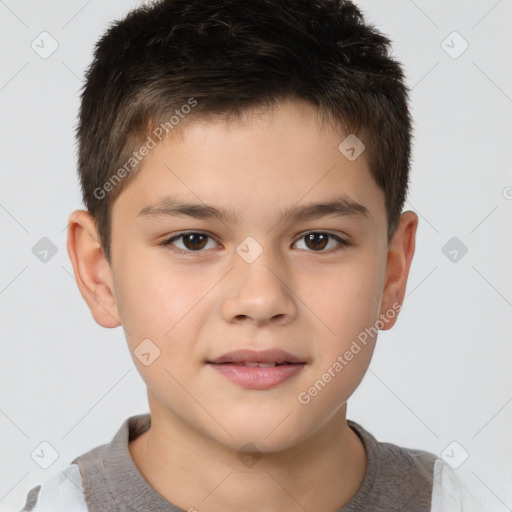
400, 253
91, 268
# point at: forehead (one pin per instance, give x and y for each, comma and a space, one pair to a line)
277, 162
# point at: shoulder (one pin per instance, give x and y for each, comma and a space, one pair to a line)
405, 475
450, 493
406, 461
397, 478
62, 492
84, 482
393, 459
412, 479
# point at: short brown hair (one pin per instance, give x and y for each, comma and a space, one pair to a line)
173, 59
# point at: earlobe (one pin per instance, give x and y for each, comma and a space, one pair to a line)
91, 268
399, 259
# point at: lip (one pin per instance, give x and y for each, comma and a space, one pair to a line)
254, 356
255, 377
231, 366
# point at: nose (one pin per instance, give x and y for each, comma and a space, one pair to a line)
259, 292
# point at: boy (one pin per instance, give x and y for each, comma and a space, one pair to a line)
244, 167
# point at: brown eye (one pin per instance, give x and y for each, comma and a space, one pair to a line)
194, 241
317, 241
191, 241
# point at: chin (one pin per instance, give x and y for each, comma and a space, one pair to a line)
280, 434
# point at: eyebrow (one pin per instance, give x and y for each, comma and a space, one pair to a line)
339, 207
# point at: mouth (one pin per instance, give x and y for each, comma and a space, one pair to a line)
258, 370
264, 358
259, 364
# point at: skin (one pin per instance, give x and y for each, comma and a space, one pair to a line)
310, 300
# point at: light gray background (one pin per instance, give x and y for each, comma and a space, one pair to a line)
442, 374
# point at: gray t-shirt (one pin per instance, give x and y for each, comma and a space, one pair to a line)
106, 479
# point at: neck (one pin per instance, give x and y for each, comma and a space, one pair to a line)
322, 473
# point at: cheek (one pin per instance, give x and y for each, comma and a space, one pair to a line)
152, 297
348, 305
157, 306
344, 354
350, 298
167, 305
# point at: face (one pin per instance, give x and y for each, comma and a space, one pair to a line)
249, 273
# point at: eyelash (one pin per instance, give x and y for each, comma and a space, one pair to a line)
168, 242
